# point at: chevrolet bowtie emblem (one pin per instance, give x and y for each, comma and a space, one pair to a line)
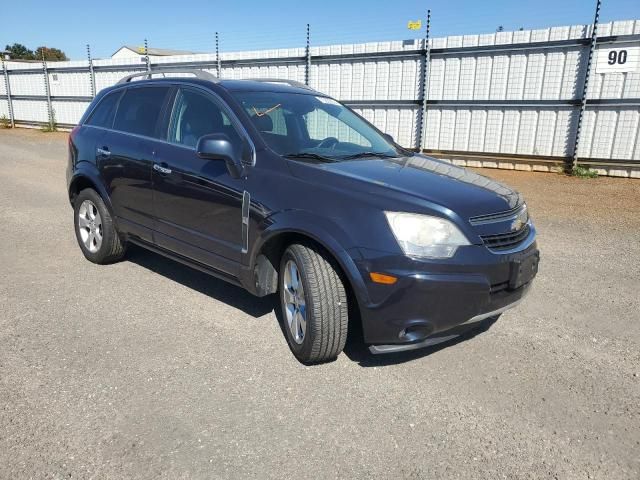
517, 224
520, 220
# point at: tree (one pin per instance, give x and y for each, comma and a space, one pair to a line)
19, 52
54, 54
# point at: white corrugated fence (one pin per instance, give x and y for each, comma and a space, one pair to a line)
505, 99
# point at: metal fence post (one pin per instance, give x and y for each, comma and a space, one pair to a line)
573, 162
307, 72
48, 91
92, 77
425, 85
146, 55
218, 64
8, 89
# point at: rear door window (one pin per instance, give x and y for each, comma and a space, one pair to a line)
103, 114
140, 109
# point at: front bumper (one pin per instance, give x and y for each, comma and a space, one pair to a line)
445, 336
432, 299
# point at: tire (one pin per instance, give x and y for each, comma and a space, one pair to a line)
325, 309
96, 234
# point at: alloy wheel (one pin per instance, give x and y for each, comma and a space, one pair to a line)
90, 226
294, 302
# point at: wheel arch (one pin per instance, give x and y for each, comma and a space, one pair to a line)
271, 244
266, 266
86, 176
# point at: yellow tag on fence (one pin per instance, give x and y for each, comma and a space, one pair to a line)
417, 25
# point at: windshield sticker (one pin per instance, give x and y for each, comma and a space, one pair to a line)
265, 112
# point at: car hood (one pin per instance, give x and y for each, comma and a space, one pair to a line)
425, 178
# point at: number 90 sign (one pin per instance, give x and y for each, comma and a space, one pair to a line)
619, 59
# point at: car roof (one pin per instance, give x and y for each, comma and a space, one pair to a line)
263, 85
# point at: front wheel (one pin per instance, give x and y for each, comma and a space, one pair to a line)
314, 304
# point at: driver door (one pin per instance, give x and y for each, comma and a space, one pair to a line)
198, 205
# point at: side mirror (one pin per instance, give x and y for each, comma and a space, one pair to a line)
217, 146
389, 138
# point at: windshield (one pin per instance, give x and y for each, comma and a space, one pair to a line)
313, 128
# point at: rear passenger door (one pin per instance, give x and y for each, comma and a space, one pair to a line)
198, 205
126, 157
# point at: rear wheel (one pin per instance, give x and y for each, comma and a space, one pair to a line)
314, 304
95, 231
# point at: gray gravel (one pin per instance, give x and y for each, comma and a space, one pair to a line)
147, 369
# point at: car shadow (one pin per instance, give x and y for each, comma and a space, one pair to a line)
206, 284
358, 352
257, 307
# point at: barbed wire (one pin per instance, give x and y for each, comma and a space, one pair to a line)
367, 27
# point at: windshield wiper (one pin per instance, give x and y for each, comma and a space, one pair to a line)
405, 151
367, 155
312, 156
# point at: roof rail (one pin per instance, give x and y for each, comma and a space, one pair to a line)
291, 83
201, 74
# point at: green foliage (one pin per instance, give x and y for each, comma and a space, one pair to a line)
4, 122
582, 171
52, 126
17, 51
52, 54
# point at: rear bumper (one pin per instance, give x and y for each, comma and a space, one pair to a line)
432, 301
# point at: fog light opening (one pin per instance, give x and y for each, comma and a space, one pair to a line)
414, 333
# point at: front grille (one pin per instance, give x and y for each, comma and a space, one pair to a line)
506, 241
497, 217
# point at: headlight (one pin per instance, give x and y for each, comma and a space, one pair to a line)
424, 235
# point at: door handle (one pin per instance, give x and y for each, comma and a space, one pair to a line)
163, 170
103, 152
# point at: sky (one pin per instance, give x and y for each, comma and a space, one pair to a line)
252, 25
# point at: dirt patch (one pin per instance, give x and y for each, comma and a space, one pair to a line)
602, 200
148, 369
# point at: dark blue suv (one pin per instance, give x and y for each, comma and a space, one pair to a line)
278, 188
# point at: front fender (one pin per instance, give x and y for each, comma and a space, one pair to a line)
325, 231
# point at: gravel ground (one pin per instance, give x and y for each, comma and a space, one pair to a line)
147, 369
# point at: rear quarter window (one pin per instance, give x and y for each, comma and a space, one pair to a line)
139, 110
104, 113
